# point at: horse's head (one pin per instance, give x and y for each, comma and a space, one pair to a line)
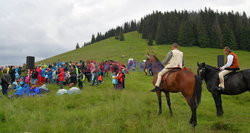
201, 70
150, 60
153, 63
147, 63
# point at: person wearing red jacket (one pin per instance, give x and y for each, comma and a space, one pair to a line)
61, 77
39, 76
120, 79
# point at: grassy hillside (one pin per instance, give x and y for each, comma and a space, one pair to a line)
107, 49
103, 109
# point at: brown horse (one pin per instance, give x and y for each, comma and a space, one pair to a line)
181, 80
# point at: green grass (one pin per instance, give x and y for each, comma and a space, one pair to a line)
103, 109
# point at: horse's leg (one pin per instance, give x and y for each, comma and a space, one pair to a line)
159, 101
218, 102
193, 119
169, 102
193, 107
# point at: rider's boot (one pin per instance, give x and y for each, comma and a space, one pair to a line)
156, 89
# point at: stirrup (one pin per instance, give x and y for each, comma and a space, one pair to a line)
220, 88
156, 89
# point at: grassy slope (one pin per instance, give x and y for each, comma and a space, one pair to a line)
106, 50
103, 109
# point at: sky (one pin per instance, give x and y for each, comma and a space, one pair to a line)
44, 28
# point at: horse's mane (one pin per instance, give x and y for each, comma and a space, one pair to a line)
211, 67
157, 60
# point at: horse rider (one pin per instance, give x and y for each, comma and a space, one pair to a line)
231, 66
174, 59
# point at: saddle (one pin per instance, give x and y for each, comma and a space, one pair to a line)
173, 70
226, 77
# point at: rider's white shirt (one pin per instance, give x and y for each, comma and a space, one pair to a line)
230, 59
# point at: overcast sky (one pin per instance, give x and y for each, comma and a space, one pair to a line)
44, 28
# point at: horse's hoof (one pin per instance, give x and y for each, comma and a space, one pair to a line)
220, 114
193, 123
171, 113
159, 113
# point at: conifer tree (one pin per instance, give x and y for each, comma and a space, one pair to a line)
93, 39
216, 38
228, 37
150, 39
160, 33
77, 46
245, 38
202, 36
186, 34
121, 36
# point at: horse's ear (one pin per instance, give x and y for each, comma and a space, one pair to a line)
203, 64
198, 64
148, 56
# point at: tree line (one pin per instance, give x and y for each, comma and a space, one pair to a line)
203, 28
114, 32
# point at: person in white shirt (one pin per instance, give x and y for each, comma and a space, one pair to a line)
231, 65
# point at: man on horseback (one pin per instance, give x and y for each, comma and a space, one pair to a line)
174, 59
231, 65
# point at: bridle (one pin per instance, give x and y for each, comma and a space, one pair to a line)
201, 72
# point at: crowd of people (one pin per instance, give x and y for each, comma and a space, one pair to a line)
62, 73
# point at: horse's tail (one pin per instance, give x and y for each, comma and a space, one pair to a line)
197, 91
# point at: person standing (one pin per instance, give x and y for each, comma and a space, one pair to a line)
54, 76
12, 73
34, 77
61, 78
6, 81
81, 78
114, 79
120, 79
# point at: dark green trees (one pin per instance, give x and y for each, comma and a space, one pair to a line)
160, 36
186, 34
216, 38
202, 34
150, 39
121, 36
203, 28
77, 46
228, 37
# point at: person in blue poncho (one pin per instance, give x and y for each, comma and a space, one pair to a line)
22, 89
34, 90
49, 75
19, 90
17, 76
43, 75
